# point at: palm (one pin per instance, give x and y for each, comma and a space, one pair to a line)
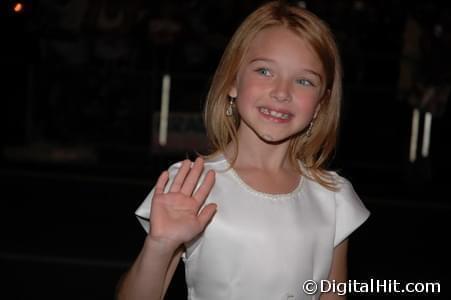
175, 215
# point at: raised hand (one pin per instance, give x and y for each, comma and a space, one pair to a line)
175, 217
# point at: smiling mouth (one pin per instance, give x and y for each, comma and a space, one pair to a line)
274, 113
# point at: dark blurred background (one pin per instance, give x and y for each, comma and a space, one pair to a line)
81, 85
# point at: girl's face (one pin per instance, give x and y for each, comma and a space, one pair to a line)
278, 87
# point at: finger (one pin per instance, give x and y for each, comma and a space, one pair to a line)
180, 177
204, 189
161, 182
207, 214
193, 177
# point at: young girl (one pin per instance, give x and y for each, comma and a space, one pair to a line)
261, 215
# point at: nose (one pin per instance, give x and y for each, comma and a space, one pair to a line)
281, 91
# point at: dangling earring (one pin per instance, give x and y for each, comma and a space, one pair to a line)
309, 130
229, 111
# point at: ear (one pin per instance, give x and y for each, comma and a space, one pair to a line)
317, 109
233, 93
326, 94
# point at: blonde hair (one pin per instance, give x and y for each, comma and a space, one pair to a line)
313, 151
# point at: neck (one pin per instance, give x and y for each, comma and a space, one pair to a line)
257, 154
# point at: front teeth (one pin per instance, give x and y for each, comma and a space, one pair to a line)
273, 113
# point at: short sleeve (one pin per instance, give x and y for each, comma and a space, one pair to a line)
350, 211
143, 211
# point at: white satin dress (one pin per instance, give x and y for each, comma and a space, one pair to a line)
264, 246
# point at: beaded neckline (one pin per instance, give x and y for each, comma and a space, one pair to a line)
250, 189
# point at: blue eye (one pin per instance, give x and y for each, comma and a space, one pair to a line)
305, 82
263, 71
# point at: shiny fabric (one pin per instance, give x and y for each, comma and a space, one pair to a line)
264, 246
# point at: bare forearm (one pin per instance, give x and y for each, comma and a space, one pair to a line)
146, 278
339, 270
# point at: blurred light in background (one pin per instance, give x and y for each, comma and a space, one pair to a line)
17, 7
164, 114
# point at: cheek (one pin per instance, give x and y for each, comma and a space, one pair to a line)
243, 104
308, 100
249, 89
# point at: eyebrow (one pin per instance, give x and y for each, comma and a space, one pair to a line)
313, 72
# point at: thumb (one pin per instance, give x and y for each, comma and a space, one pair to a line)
207, 214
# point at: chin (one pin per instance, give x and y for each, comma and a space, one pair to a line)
273, 139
